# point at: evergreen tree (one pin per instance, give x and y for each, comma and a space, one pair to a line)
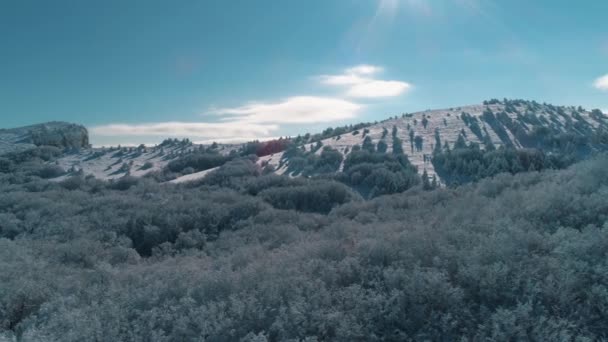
487, 142
382, 146
418, 141
426, 183
460, 143
397, 146
437, 148
367, 145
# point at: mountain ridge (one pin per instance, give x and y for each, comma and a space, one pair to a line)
517, 124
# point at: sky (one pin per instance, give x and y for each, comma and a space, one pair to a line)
139, 71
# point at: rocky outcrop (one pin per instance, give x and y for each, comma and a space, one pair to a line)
58, 134
62, 135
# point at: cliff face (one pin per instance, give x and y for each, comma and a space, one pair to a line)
58, 134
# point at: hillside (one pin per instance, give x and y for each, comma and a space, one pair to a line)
451, 123
189, 242
248, 257
516, 124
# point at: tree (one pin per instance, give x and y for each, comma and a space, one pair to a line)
426, 184
418, 141
329, 161
368, 145
487, 142
460, 142
597, 115
397, 146
147, 165
382, 146
437, 148
6, 165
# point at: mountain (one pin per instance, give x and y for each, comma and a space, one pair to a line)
429, 139
517, 124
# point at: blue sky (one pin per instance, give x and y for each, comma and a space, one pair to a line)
139, 71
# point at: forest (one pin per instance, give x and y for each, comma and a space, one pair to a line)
372, 253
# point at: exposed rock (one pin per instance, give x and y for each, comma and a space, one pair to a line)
58, 134
64, 135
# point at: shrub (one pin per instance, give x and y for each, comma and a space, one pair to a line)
51, 171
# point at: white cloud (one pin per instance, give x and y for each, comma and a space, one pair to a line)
601, 83
364, 69
221, 130
378, 89
343, 80
252, 121
293, 110
259, 120
359, 82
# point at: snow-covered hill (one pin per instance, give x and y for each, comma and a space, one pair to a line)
450, 123
495, 122
115, 162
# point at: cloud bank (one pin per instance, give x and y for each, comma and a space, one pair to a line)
293, 110
218, 131
256, 120
261, 119
359, 82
